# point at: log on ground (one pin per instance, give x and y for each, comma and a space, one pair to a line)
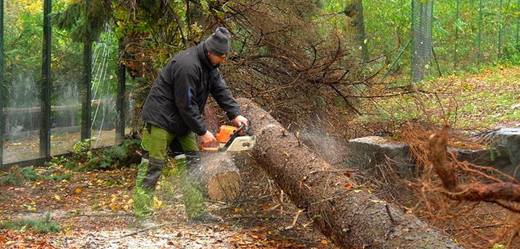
343, 211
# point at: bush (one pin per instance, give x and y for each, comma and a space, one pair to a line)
17, 176
115, 157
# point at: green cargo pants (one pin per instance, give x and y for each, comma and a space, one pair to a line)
156, 141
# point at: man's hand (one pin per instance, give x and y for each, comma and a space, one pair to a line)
239, 121
208, 140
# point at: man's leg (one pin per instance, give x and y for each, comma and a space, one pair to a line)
155, 142
191, 186
191, 189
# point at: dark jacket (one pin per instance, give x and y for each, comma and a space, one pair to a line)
178, 96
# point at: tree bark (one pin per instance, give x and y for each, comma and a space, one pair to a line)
343, 211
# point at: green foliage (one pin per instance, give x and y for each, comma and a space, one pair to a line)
42, 225
85, 20
468, 101
57, 175
29, 173
388, 25
115, 156
23, 54
85, 158
62, 161
82, 148
18, 176
14, 178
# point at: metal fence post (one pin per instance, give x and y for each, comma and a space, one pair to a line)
45, 96
415, 43
86, 91
422, 12
121, 95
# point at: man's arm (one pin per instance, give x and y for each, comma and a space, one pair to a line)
184, 89
221, 93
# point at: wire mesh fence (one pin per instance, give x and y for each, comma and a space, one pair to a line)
41, 111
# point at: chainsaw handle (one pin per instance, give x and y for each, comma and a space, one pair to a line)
244, 128
235, 135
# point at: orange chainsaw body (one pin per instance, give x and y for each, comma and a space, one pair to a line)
229, 140
224, 133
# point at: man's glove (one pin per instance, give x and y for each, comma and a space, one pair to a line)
239, 121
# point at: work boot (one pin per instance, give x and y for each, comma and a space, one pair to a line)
153, 174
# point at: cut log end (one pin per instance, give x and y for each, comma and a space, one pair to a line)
224, 186
220, 177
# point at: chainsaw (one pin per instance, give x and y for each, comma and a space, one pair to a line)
231, 138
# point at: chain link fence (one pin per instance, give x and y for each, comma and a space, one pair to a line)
467, 34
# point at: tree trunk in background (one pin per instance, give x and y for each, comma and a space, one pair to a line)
348, 214
355, 11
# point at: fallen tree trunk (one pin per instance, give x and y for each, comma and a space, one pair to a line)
343, 211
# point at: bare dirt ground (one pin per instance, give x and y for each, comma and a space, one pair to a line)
94, 211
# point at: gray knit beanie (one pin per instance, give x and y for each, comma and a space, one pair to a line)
218, 42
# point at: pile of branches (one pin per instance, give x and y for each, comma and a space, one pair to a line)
290, 65
479, 203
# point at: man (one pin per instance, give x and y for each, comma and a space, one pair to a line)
172, 114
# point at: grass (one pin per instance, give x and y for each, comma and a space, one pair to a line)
42, 225
480, 100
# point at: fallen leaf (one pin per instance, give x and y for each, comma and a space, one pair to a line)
78, 190
157, 204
